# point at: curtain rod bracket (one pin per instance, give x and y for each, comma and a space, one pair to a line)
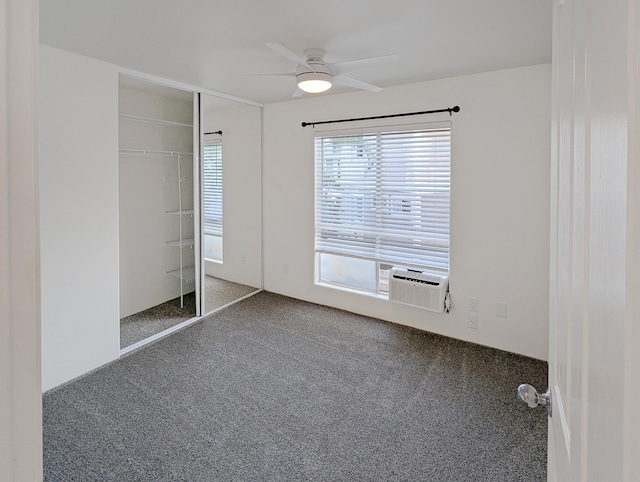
450, 110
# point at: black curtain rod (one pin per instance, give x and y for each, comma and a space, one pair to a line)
216, 132
450, 110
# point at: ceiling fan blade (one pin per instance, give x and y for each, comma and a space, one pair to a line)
287, 54
357, 84
281, 74
298, 93
342, 67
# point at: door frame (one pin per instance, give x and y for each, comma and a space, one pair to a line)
20, 370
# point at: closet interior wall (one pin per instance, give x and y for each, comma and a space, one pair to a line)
155, 194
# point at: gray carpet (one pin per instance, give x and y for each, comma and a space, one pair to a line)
219, 292
140, 326
273, 388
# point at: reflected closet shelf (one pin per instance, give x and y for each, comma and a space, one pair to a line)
188, 273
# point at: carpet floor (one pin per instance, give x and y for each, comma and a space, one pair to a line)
274, 389
139, 326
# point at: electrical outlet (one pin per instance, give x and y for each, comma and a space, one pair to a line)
472, 321
501, 310
473, 305
285, 268
243, 260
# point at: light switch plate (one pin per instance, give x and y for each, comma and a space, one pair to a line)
501, 310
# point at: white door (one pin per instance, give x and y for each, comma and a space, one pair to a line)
568, 251
593, 370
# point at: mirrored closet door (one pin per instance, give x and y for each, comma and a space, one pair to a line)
231, 196
189, 204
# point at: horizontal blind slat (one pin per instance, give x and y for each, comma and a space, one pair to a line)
384, 196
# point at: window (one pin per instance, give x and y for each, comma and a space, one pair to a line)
212, 199
382, 201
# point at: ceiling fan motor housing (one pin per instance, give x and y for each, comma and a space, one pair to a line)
317, 70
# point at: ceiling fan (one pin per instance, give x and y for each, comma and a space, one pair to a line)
314, 75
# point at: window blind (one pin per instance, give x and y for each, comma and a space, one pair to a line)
384, 196
212, 178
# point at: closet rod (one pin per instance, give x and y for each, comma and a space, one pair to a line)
450, 110
214, 132
146, 152
149, 120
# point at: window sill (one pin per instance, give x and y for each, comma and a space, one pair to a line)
354, 291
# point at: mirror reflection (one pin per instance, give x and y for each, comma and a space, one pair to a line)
231, 195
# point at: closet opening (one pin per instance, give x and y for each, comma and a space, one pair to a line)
158, 287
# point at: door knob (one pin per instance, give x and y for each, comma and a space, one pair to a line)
532, 398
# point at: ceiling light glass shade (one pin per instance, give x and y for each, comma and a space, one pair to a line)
314, 82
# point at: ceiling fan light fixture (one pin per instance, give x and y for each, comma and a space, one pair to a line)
314, 82
314, 75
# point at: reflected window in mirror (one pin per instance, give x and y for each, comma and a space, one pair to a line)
212, 180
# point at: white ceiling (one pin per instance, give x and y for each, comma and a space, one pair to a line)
213, 44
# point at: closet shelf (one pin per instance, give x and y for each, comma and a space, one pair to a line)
188, 242
181, 213
160, 122
187, 273
149, 152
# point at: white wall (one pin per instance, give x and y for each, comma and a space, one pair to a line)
499, 202
241, 128
148, 189
78, 214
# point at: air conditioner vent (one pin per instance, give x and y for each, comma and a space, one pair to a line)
414, 288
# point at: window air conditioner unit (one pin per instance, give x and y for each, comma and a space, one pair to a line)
414, 288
